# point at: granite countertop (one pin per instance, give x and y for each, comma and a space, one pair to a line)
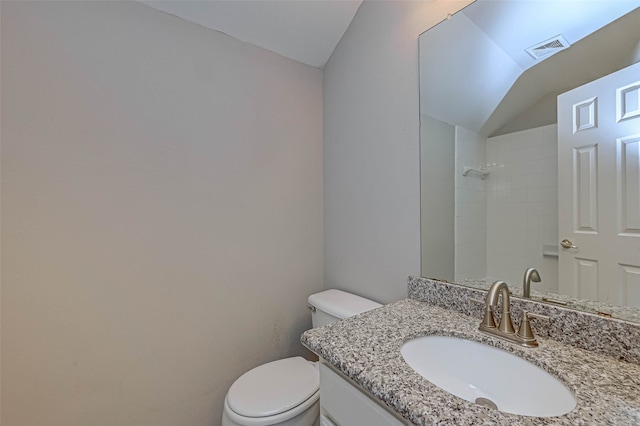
366, 348
625, 313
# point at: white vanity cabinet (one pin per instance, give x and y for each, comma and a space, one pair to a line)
343, 404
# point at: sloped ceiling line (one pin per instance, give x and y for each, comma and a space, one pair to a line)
306, 31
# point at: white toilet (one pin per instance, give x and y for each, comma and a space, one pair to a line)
286, 392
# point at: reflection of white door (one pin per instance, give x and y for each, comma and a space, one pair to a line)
599, 189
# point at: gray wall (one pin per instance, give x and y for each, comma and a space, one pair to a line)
161, 213
371, 149
437, 197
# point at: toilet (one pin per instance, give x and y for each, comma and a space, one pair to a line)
286, 392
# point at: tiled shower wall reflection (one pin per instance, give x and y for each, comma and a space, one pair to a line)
522, 205
470, 207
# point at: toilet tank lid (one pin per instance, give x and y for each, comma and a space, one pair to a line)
274, 388
341, 304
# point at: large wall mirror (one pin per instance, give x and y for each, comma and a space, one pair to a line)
490, 80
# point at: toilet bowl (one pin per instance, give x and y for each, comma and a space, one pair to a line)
282, 392
286, 392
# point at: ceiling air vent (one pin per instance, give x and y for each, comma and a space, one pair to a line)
548, 47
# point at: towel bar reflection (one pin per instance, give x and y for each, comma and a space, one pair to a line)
482, 174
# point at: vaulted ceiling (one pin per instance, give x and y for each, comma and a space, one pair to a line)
474, 69
304, 30
470, 63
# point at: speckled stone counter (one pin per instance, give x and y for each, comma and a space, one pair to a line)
366, 348
624, 313
608, 336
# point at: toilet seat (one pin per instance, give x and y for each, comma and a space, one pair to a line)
274, 392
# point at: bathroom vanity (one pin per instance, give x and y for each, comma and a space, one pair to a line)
343, 402
365, 380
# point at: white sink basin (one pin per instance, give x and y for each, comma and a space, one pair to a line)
488, 376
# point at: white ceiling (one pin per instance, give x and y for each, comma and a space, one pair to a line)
304, 30
468, 64
517, 25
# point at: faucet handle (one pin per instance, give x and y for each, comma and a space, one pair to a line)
538, 316
525, 332
488, 321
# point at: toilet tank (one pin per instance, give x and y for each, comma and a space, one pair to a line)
331, 305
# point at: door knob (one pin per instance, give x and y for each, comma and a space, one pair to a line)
567, 244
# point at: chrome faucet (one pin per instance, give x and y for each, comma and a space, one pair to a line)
531, 274
505, 330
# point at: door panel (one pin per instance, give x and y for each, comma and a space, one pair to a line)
599, 188
586, 279
628, 176
585, 161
